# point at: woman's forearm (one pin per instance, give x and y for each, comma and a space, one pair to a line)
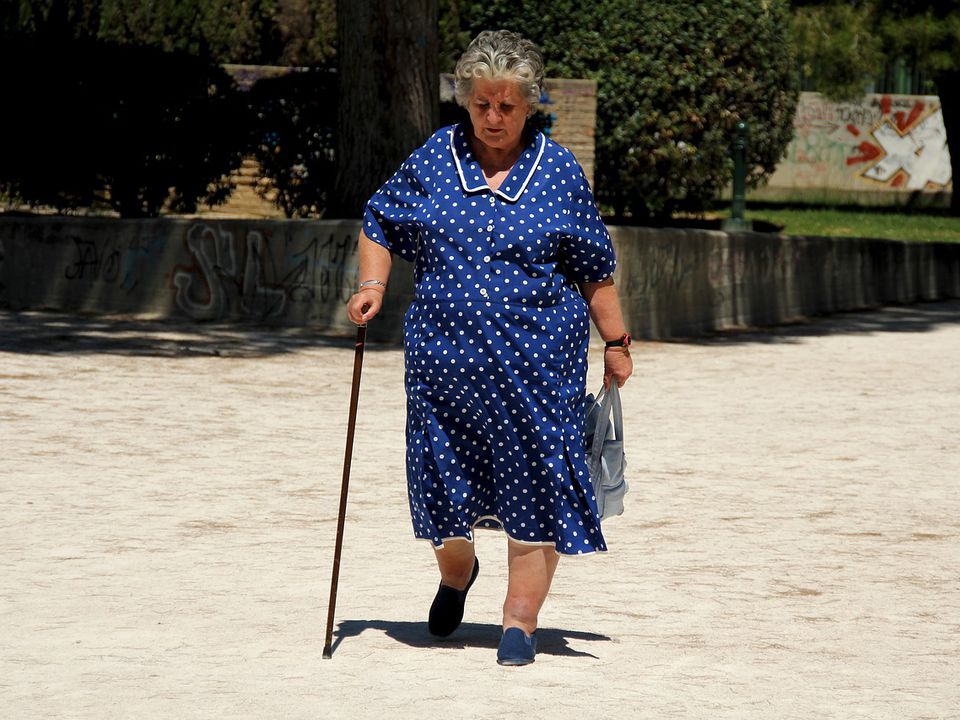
375, 260
374, 264
604, 304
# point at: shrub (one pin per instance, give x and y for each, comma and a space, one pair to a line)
673, 81
293, 121
130, 128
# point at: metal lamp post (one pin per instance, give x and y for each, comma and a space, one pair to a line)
736, 223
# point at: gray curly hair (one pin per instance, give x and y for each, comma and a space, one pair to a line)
500, 55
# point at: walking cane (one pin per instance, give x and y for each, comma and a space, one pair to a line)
348, 452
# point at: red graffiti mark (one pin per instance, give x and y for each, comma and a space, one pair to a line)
868, 152
853, 130
898, 180
902, 124
885, 103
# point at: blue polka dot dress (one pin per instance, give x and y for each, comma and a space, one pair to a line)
495, 340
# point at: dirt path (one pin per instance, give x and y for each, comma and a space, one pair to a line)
167, 508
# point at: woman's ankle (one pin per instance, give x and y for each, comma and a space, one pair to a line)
519, 617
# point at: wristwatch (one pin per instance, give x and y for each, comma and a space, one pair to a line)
622, 341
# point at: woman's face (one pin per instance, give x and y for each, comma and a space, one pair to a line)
498, 112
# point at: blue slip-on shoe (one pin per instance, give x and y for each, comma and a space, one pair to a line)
516, 647
446, 613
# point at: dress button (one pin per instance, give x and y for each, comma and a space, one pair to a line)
483, 291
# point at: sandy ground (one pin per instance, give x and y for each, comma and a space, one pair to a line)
791, 547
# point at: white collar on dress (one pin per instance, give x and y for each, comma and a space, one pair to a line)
471, 176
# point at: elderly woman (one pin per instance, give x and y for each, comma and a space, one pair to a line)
501, 227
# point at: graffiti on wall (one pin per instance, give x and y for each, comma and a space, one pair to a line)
219, 271
93, 261
664, 268
906, 148
248, 274
111, 260
885, 142
224, 275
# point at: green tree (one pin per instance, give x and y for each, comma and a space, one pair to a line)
673, 80
454, 30
926, 33
154, 123
70, 18
837, 46
308, 31
232, 31
269, 32
131, 128
293, 137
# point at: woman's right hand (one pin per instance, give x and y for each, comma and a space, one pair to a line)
364, 305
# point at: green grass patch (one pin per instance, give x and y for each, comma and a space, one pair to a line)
859, 222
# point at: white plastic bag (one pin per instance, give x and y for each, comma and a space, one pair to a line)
604, 445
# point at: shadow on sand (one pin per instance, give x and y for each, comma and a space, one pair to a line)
917, 318
550, 641
46, 333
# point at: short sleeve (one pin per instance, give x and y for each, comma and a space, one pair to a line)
586, 251
390, 217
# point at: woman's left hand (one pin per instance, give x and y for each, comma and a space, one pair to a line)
617, 365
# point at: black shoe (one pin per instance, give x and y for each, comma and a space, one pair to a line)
447, 609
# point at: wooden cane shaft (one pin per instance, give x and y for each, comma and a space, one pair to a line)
344, 486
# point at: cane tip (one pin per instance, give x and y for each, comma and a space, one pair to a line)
327, 653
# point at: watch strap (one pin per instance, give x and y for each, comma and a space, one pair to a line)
622, 341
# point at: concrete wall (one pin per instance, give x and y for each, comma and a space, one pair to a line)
681, 283
674, 283
882, 148
266, 271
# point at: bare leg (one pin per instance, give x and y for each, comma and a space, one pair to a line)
455, 561
531, 569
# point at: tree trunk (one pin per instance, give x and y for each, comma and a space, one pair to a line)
389, 92
950, 105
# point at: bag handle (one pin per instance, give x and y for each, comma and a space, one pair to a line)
608, 400
617, 408
599, 429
